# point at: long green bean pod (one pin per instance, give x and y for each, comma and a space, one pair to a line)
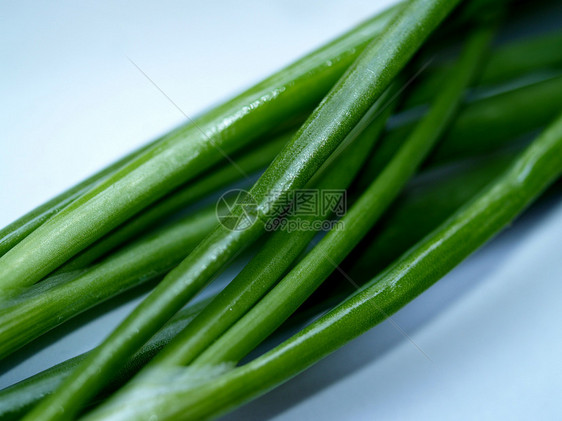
281, 249
341, 110
512, 60
256, 159
182, 155
419, 268
325, 257
420, 209
35, 313
19, 398
482, 126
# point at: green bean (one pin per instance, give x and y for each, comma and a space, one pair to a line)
13, 233
36, 312
310, 272
19, 398
249, 162
341, 110
512, 60
281, 249
182, 155
419, 268
482, 126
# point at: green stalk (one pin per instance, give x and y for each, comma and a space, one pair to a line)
13, 233
35, 313
250, 162
424, 204
281, 249
509, 61
306, 277
39, 311
182, 155
341, 110
470, 227
515, 102
481, 123
523, 56
19, 398
510, 119
482, 126
420, 209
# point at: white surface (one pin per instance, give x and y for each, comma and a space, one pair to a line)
71, 103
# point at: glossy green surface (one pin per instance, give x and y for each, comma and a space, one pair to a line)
482, 126
18, 399
515, 59
278, 253
493, 122
35, 313
250, 162
428, 200
511, 60
503, 117
324, 258
329, 124
182, 155
423, 265
22, 227
540, 93
420, 209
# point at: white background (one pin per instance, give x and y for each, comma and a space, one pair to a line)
71, 103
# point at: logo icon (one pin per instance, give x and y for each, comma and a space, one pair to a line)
236, 210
